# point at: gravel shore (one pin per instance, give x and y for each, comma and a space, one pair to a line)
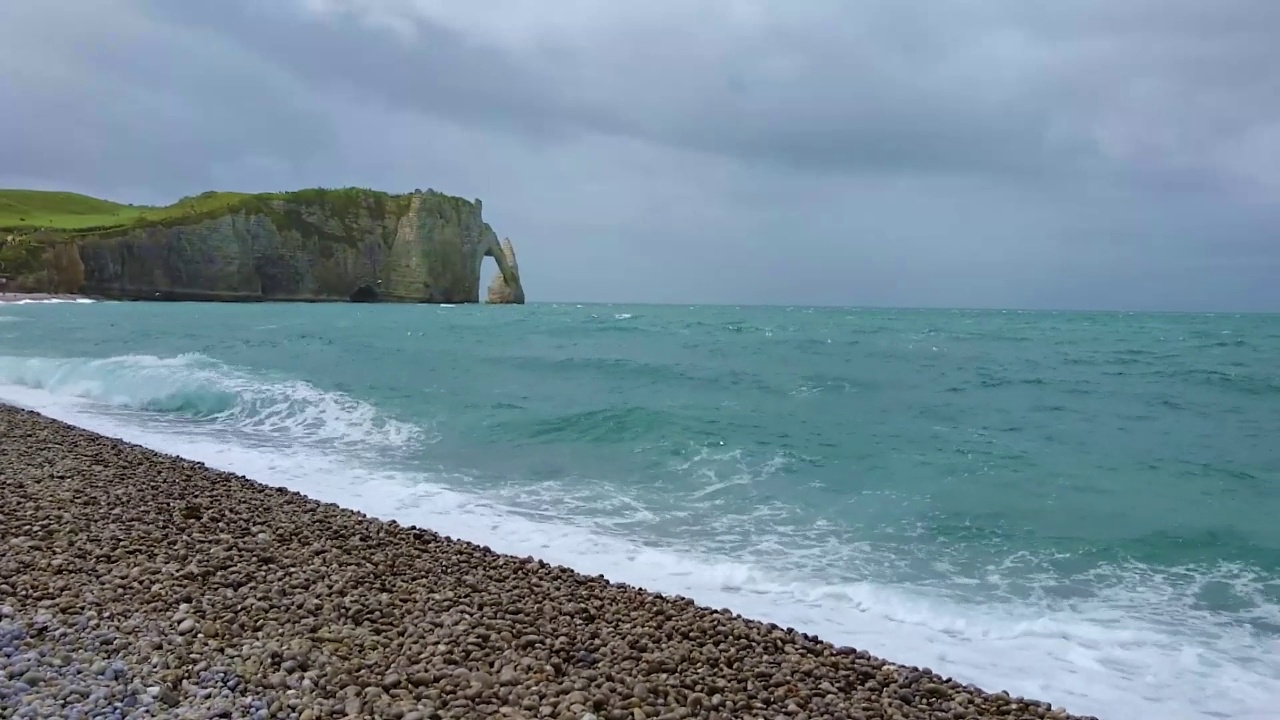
135, 584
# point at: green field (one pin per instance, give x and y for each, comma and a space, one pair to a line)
26, 211
30, 210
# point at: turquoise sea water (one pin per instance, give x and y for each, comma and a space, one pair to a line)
1078, 507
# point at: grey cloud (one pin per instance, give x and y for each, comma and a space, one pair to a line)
964, 87
836, 106
115, 99
441, 73
978, 154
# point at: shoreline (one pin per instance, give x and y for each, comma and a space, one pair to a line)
220, 594
226, 298
12, 297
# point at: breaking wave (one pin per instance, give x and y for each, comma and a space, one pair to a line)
207, 392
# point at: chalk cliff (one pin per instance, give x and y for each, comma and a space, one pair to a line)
500, 291
310, 245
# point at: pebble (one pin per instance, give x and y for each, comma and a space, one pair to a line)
140, 585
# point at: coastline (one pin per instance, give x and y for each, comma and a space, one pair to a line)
218, 594
209, 297
12, 297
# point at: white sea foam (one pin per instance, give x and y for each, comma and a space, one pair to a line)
48, 301
221, 397
1130, 652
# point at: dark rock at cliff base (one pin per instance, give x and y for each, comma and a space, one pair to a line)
364, 293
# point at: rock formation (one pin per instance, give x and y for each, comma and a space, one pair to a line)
500, 292
309, 245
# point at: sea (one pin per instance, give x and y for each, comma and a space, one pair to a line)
1082, 508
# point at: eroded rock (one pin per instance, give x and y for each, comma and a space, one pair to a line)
309, 245
502, 292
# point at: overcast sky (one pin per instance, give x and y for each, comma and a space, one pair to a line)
1091, 154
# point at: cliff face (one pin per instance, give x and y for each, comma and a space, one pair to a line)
309, 245
500, 291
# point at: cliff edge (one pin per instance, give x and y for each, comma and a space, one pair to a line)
309, 245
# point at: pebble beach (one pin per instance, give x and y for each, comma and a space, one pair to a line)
139, 585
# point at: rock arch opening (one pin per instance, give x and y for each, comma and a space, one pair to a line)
489, 272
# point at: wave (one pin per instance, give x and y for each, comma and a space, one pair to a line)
625, 424
202, 390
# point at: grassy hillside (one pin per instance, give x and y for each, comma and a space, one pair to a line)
29, 210
26, 211
56, 209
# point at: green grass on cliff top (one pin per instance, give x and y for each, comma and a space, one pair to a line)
24, 211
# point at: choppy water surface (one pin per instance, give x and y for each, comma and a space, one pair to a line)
1078, 507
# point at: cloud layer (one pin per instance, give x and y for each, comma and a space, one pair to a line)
994, 153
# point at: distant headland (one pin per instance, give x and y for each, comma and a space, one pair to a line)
311, 245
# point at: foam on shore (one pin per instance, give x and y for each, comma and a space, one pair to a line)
34, 298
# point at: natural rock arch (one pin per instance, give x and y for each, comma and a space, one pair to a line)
505, 288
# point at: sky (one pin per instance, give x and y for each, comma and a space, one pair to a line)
968, 153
